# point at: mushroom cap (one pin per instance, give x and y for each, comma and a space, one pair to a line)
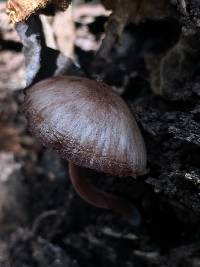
87, 123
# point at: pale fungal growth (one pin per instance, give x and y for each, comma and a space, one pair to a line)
20, 10
90, 126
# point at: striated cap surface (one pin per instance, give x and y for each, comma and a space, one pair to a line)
87, 123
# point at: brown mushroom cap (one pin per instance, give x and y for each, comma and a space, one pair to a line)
87, 123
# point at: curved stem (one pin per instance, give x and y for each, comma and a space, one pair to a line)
94, 196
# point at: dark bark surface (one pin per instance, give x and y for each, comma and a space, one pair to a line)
155, 67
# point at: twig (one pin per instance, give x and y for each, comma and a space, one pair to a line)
41, 218
41, 61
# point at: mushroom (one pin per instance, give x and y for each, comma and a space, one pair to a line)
92, 127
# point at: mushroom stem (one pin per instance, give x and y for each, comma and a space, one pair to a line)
94, 196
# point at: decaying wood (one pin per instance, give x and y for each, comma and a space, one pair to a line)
138, 10
125, 11
19, 10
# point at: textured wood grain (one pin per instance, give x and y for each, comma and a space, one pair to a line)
19, 10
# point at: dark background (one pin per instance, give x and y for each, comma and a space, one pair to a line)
155, 68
